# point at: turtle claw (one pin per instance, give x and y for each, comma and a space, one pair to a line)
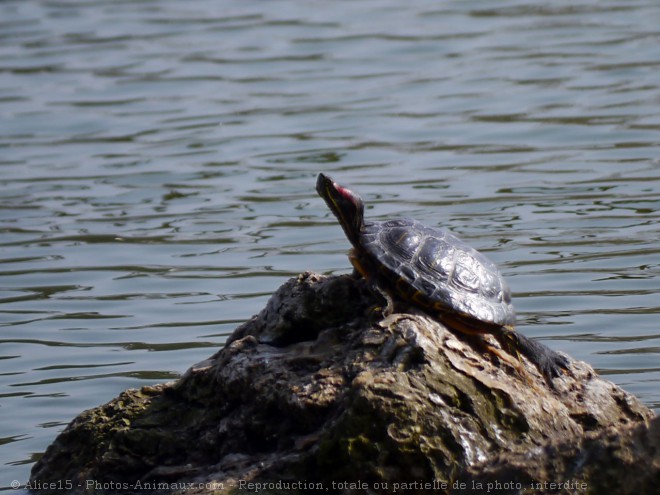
550, 364
386, 310
376, 313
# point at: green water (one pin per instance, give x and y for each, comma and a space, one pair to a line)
158, 160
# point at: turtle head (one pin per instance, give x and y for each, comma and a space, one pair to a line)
345, 204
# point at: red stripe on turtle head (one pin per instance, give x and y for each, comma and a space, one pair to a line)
347, 193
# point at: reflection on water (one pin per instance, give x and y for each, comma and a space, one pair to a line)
158, 165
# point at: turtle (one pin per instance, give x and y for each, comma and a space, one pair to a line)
432, 269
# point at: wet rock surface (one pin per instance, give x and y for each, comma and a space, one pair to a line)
318, 389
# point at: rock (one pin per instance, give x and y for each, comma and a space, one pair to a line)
623, 460
317, 390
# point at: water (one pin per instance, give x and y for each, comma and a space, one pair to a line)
158, 162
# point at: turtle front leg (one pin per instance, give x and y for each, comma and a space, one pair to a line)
360, 270
389, 308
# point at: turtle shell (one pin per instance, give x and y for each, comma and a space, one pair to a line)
437, 271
